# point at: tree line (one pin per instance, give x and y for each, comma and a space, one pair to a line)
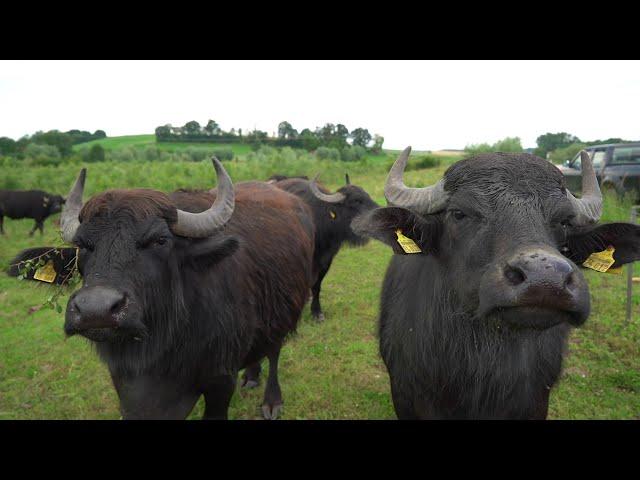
556, 147
330, 136
52, 142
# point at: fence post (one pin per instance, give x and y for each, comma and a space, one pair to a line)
634, 217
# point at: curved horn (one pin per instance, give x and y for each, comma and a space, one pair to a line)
589, 207
346, 179
69, 221
204, 224
330, 198
424, 200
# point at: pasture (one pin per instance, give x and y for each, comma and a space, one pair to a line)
327, 371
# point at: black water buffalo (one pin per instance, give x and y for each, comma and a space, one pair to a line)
180, 292
475, 325
332, 215
34, 204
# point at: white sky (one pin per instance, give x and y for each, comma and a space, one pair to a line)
425, 104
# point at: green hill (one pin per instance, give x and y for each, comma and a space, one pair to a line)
142, 141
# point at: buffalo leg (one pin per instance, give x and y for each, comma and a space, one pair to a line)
33, 229
316, 309
272, 403
251, 376
217, 397
1, 223
40, 226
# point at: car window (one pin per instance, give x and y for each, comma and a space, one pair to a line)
626, 155
597, 159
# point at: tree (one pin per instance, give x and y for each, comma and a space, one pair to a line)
361, 137
378, 140
7, 146
342, 133
286, 131
309, 140
163, 133
212, 128
192, 128
551, 141
61, 141
99, 134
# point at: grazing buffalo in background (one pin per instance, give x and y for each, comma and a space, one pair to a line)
34, 204
180, 292
332, 215
475, 325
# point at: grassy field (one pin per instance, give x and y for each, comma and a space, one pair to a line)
328, 371
141, 141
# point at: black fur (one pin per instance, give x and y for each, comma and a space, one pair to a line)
446, 357
34, 204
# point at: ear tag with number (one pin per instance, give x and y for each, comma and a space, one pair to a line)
408, 245
600, 261
332, 213
46, 273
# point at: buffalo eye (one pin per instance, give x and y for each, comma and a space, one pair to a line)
160, 241
458, 214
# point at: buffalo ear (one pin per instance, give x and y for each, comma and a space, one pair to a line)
624, 237
202, 254
63, 259
382, 224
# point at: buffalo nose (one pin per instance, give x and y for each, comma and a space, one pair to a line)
96, 307
540, 269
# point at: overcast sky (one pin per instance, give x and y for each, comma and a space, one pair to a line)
425, 104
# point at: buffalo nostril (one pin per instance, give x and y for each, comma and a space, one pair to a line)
569, 282
514, 275
118, 305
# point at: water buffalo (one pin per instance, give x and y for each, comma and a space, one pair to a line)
180, 292
332, 215
475, 325
34, 204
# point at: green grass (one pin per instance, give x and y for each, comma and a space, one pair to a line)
142, 141
327, 371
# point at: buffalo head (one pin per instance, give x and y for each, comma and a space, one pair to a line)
134, 246
506, 236
347, 203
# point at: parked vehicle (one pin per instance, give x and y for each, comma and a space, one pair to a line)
617, 168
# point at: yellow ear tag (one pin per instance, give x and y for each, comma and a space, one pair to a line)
46, 273
600, 261
333, 215
408, 245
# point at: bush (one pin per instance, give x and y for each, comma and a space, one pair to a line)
560, 155
223, 154
506, 145
352, 154
42, 154
95, 154
326, 153
423, 161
